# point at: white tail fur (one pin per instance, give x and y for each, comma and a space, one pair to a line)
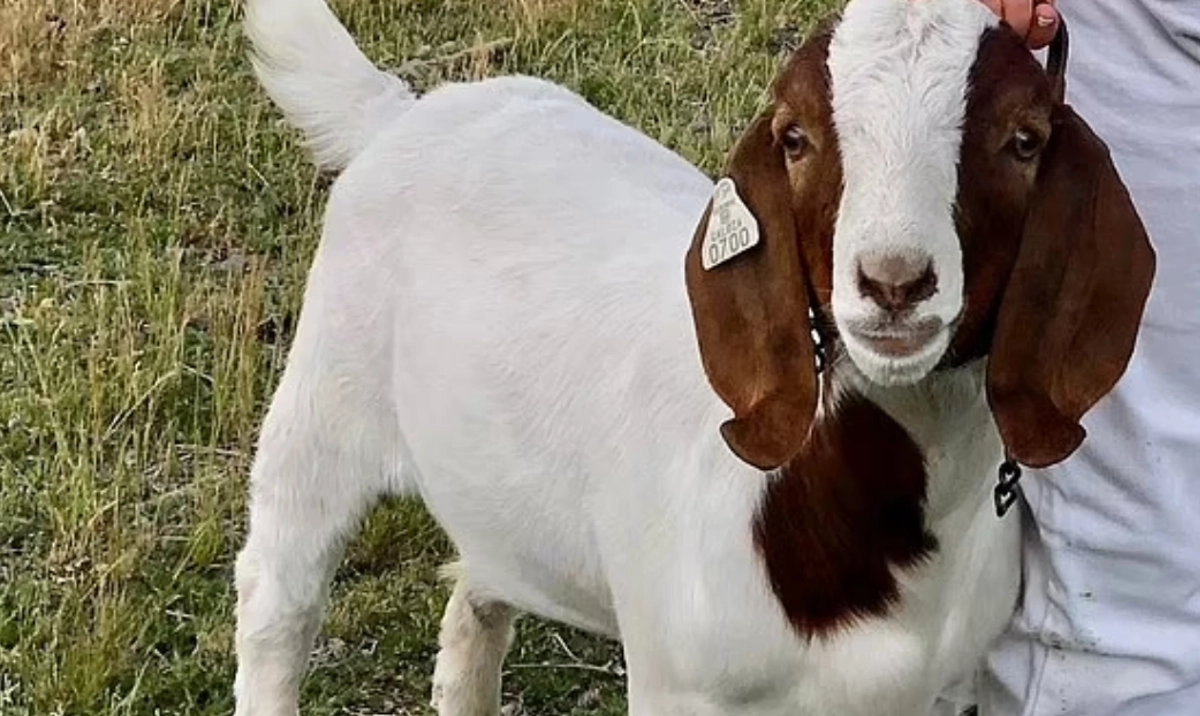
315, 73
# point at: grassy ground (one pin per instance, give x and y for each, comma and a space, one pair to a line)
156, 222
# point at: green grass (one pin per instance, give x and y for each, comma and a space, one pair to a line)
156, 224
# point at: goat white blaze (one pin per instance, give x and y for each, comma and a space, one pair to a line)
899, 71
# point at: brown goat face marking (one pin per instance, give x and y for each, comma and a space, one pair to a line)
1008, 123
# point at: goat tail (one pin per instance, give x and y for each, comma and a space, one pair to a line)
314, 72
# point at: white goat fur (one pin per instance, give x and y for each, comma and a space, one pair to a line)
496, 322
899, 106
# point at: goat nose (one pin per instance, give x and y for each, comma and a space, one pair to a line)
896, 282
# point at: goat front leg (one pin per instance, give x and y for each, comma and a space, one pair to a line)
474, 639
307, 497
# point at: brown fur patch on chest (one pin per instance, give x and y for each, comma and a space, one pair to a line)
841, 516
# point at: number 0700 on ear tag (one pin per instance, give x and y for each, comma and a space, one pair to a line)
731, 227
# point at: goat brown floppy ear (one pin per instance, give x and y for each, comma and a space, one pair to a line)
1069, 318
751, 313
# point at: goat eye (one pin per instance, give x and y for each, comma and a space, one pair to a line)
795, 141
1026, 144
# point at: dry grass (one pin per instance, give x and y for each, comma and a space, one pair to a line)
156, 222
44, 40
534, 12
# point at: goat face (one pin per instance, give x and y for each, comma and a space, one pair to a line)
918, 181
908, 101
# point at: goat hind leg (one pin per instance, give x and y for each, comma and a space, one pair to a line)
474, 638
306, 501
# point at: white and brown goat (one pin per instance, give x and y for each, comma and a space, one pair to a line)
501, 320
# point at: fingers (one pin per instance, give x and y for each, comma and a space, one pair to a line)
1018, 14
1035, 20
1044, 25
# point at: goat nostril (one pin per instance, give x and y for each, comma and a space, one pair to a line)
896, 282
924, 286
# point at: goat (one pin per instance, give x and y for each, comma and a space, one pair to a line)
513, 315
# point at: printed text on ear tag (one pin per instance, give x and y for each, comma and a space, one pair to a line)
731, 227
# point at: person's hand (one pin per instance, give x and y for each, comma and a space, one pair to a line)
1035, 20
